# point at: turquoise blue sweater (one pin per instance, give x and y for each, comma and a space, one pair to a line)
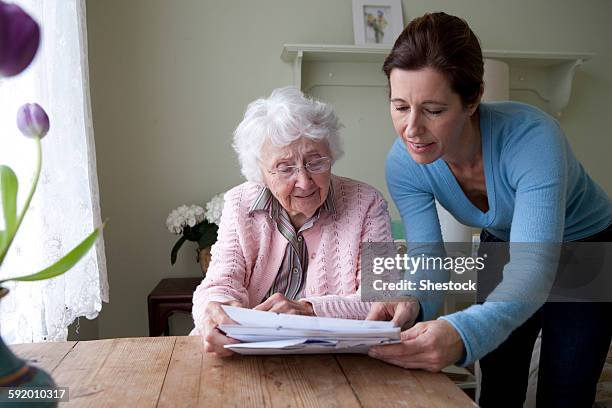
537, 192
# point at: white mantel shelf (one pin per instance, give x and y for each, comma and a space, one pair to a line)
548, 74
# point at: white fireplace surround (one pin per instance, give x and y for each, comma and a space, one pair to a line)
548, 74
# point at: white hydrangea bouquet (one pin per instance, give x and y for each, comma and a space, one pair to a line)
195, 224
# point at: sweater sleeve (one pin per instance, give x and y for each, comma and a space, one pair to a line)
225, 277
376, 227
537, 167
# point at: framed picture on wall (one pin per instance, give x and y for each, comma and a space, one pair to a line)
377, 21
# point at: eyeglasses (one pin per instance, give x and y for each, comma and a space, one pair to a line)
317, 166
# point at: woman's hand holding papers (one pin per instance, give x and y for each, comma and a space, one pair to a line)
429, 346
402, 314
279, 303
213, 340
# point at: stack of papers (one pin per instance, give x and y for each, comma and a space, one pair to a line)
277, 333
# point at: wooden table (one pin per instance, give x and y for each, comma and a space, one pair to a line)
173, 372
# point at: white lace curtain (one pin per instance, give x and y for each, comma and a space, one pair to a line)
66, 207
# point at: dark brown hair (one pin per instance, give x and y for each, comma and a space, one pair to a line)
445, 43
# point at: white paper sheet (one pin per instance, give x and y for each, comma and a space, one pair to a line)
277, 333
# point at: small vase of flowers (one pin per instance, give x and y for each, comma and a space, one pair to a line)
196, 224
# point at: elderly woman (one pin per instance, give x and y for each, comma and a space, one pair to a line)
289, 238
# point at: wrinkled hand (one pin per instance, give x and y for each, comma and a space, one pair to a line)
402, 314
430, 346
279, 303
212, 339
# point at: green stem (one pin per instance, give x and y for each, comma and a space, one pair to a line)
28, 200
176, 248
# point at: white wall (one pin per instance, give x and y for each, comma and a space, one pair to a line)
170, 81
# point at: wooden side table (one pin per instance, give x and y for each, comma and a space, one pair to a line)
169, 296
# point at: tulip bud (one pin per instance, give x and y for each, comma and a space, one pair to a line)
19, 39
32, 120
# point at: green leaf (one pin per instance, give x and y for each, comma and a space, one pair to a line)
64, 264
176, 248
208, 235
192, 233
8, 191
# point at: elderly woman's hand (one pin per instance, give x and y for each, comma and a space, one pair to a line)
212, 338
279, 303
430, 346
402, 314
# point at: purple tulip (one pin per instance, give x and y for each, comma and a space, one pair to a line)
19, 39
32, 120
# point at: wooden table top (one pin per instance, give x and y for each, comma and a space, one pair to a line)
173, 372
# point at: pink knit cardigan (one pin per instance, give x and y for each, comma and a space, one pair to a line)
250, 249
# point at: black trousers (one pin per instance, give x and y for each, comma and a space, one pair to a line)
575, 341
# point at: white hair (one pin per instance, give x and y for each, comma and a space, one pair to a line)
286, 116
